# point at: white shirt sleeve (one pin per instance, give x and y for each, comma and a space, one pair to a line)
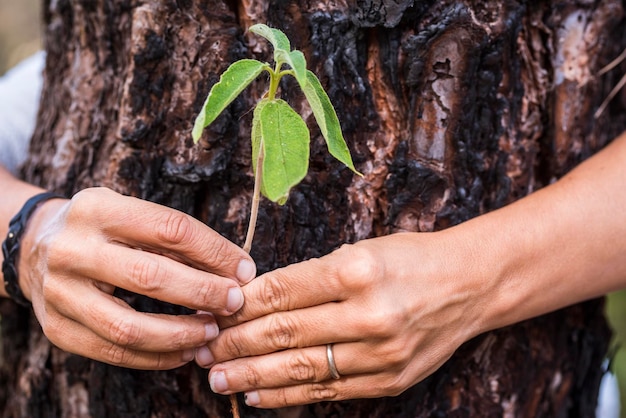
20, 90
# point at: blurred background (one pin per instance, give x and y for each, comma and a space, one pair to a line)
616, 313
20, 31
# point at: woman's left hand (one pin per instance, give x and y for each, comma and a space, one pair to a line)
394, 309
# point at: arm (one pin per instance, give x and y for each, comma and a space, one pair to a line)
11, 201
396, 307
20, 89
561, 245
74, 254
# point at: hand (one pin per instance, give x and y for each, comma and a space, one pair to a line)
394, 308
76, 252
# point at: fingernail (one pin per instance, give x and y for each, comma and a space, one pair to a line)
204, 357
204, 313
235, 299
188, 355
218, 382
252, 398
211, 331
246, 271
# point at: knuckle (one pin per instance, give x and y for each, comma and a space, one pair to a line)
377, 324
174, 228
361, 268
321, 392
115, 355
164, 362
58, 252
275, 294
282, 398
233, 344
395, 385
217, 252
53, 289
184, 337
252, 376
281, 331
145, 272
301, 369
85, 203
124, 332
206, 294
396, 355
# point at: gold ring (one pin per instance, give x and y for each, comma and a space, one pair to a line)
334, 373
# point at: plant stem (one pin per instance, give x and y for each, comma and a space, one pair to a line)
234, 405
273, 87
247, 246
275, 77
256, 198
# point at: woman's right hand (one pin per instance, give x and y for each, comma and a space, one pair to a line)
76, 252
392, 309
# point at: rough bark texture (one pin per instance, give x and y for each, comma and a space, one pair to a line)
451, 109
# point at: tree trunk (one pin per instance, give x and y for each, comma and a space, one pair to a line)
451, 109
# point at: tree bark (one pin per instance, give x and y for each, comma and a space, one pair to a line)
451, 109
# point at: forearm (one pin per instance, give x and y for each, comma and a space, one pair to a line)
561, 245
393, 309
14, 195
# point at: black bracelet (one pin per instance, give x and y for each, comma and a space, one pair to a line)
11, 246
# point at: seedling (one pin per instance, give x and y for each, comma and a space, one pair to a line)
280, 137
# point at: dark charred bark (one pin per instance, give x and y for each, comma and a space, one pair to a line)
451, 109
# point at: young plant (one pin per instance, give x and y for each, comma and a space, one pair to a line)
280, 137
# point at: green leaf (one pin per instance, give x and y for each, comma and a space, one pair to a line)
277, 38
327, 120
295, 59
232, 82
285, 139
298, 64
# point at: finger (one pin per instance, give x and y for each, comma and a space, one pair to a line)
114, 321
364, 386
275, 386
161, 278
355, 387
309, 283
290, 367
147, 225
300, 328
329, 390
65, 333
294, 367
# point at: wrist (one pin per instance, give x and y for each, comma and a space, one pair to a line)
502, 255
39, 227
522, 265
471, 267
12, 246
449, 280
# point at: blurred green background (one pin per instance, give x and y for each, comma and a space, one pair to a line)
616, 313
20, 36
20, 31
